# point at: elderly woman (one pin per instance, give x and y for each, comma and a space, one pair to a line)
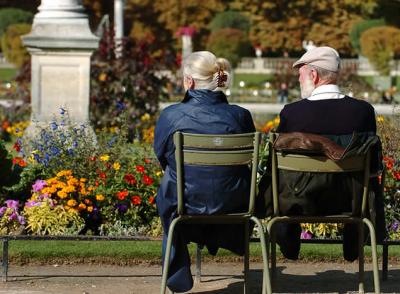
208, 190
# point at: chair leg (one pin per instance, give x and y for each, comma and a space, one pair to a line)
272, 252
360, 257
198, 264
246, 288
374, 254
266, 288
167, 255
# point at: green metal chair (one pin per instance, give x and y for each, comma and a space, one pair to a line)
222, 150
317, 164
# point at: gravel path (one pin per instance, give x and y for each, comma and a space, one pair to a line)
293, 277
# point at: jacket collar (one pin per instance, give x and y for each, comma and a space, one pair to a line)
205, 96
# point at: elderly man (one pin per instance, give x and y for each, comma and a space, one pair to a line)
326, 111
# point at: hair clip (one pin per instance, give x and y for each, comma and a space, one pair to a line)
221, 78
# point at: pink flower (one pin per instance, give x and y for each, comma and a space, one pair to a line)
305, 235
38, 185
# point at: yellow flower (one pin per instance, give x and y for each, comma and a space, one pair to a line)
159, 173
102, 77
62, 194
105, 157
116, 166
82, 206
83, 180
71, 203
99, 197
145, 117
380, 118
89, 208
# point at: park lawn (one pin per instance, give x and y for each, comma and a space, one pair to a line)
251, 80
132, 252
7, 74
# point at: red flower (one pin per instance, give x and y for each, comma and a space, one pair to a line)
136, 200
147, 160
19, 161
389, 162
147, 180
130, 179
121, 195
396, 175
102, 175
152, 200
140, 169
17, 146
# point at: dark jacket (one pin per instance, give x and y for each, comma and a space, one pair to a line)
338, 120
208, 190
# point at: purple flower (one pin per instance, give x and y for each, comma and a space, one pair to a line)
12, 204
305, 235
21, 219
395, 226
2, 210
13, 216
31, 203
39, 185
122, 208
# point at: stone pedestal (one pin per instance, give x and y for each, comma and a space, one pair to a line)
61, 44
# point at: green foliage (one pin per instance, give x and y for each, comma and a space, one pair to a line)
9, 16
359, 28
46, 218
230, 19
380, 45
11, 43
231, 44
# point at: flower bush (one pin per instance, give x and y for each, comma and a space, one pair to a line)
389, 132
73, 183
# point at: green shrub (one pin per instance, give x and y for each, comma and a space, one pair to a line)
9, 16
229, 43
359, 28
380, 45
11, 43
230, 19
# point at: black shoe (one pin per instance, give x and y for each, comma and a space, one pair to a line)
288, 239
350, 242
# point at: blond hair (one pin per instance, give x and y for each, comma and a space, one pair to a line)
207, 71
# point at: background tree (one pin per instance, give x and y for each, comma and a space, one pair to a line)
174, 14
380, 45
283, 25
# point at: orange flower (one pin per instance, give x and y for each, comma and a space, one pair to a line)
136, 200
19, 161
121, 195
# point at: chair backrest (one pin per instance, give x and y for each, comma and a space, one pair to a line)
313, 163
216, 150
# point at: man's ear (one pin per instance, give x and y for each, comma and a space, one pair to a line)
314, 76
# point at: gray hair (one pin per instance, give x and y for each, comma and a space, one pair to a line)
207, 71
325, 74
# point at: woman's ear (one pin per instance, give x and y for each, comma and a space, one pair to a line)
188, 83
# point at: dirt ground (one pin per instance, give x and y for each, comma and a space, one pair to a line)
293, 277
